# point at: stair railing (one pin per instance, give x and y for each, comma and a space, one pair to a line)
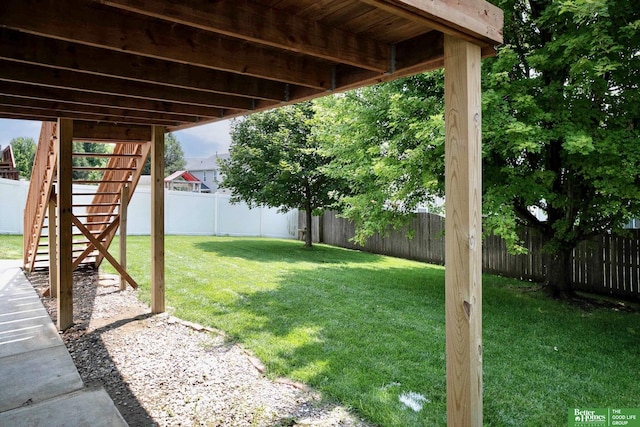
41, 182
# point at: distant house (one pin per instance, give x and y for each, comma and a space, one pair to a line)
185, 181
207, 170
8, 164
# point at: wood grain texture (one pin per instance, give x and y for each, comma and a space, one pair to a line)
472, 20
183, 64
66, 79
64, 55
65, 223
68, 109
95, 132
104, 27
463, 232
105, 253
250, 21
157, 220
53, 246
124, 204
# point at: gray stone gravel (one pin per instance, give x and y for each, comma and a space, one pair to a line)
161, 371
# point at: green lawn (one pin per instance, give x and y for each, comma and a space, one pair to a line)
364, 329
10, 246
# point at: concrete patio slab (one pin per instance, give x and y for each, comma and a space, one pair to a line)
88, 407
37, 375
28, 335
39, 383
24, 322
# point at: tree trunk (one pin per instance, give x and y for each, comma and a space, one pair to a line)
558, 273
308, 237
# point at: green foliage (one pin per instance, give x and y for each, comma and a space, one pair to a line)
561, 120
387, 142
276, 161
98, 162
560, 131
24, 151
173, 156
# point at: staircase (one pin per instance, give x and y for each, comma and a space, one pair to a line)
97, 203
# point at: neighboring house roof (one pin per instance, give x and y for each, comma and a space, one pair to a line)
185, 175
8, 164
204, 163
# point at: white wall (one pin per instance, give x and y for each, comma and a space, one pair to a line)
13, 195
185, 213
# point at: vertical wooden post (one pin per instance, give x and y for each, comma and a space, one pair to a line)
124, 203
463, 232
53, 243
65, 233
157, 219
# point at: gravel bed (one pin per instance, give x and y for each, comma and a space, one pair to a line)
162, 371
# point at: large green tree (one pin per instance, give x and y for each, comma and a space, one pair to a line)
275, 161
560, 130
173, 156
387, 142
24, 151
561, 124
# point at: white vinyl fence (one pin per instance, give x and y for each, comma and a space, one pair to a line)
185, 214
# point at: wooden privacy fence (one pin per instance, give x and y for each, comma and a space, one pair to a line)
606, 264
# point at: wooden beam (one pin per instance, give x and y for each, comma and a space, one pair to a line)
125, 115
65, 233
93, 132
36, 50
255, 23
105, 253
53, 254
109, 28
48, 115
157, 219
124, 203
18, 72
417, 55
90, 247
421, 54
473, 20
463, 232
148, 107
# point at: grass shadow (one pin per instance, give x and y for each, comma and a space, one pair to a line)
306, 329
274, 250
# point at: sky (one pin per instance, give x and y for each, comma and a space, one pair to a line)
199, 141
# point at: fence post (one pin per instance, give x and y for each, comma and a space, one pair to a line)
216, 207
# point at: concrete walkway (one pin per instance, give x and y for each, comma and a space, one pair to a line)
39, 384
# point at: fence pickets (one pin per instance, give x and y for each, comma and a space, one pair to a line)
606, 264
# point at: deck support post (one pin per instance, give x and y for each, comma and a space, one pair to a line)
124, 203
53, 245
157, 219
64, 269
463, 232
